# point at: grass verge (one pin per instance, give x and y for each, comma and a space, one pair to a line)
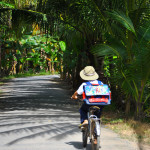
130, 129
27, 74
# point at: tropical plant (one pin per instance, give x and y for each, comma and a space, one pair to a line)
114, 28
132, 51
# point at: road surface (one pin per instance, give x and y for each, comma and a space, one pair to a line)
36, 113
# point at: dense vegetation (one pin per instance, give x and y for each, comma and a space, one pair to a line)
67, 35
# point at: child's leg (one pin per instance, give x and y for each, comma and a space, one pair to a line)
83, 112
98, 113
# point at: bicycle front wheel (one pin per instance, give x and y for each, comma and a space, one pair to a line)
85, 136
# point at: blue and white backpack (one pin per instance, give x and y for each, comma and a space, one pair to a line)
97, 94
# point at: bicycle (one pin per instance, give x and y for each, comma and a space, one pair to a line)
93, 96
93, 129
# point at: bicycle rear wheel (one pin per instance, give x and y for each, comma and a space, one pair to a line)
85, 136
97, 146
95, 136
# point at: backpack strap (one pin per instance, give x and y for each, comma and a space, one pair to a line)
88, 83
83, 95
99, 82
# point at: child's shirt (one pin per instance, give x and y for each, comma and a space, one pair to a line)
80, 89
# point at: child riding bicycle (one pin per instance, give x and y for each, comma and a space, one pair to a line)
90, 76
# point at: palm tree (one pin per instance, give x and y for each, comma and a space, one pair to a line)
130, 43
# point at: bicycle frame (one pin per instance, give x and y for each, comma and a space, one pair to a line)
93, 130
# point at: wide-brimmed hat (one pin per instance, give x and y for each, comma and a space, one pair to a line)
88, 73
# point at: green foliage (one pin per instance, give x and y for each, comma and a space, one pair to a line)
62, 45
118, 31
31, 51
132, 63
121, 18
26, 74
6, 5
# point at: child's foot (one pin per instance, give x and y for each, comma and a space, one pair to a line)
85, 122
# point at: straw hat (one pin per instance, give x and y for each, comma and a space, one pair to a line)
88, 73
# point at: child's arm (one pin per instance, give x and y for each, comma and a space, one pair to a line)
74, 96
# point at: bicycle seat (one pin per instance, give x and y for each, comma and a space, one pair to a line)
94, 108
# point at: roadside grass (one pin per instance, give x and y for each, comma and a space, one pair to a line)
127, 128
27, 74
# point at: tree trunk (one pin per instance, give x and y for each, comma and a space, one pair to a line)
138, 110
27, 62
49, 66
75, 74
113, 87
128, 106
19, 4
0, 61
53, 70
61, 68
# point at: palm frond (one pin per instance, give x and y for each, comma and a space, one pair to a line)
122, 19
121, 34
115, 48
103, 50
144, 32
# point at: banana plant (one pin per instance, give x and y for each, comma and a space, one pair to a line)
51, 50
34, 57
62, 45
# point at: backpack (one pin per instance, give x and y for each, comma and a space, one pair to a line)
96, 94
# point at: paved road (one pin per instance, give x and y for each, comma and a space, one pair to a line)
36, 113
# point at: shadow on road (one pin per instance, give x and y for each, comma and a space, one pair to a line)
59, 132
78, 145
36, 108
34, 93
